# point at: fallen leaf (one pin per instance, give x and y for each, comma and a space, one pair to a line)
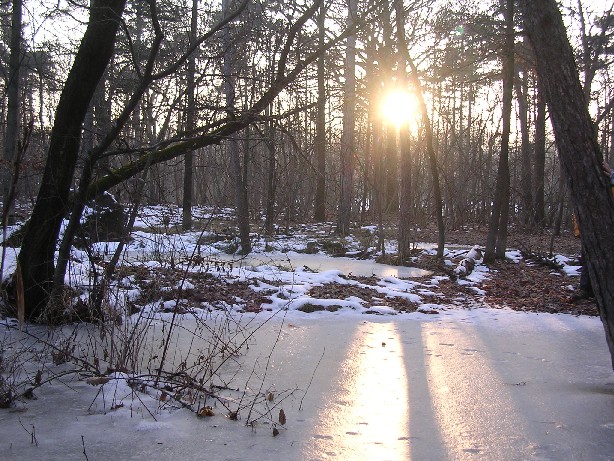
282, 417
97, 380
205, 411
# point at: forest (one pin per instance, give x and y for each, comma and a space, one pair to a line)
354, 112
239, 209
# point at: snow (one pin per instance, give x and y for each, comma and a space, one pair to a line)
354, 382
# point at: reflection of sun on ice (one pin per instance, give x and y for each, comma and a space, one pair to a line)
367, 414
400, 107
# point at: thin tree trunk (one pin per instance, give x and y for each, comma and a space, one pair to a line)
540, 159
405, 212
320, 141
428, 129
391, 162
271, 178
496, 240
188, 172
347, 137
526, 182
233, 143
12, 116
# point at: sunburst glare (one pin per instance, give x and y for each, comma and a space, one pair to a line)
400, 107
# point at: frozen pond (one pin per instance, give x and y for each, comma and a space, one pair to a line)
467, 385
320, 263
293, 262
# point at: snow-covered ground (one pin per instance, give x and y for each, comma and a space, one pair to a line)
469, 384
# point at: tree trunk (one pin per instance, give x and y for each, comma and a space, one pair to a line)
347, 137
36, 258
526, 180
233, 143
391, 162
12, 112
320, 141
497, 230
188, 172
540, 159
405, 212
271, 182
579, 152
428, 128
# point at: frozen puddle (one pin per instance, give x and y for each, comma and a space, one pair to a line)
321, 263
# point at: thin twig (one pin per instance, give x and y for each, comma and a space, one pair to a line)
83, 444
300, 407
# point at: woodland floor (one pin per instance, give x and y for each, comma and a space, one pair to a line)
533, 284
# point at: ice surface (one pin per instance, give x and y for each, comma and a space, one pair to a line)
484, 384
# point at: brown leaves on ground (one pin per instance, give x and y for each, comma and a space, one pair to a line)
202, 289
520, 286
535, 288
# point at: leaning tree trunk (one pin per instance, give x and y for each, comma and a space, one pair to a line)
579, 152
36, 258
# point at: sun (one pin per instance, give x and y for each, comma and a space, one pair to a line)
400, 107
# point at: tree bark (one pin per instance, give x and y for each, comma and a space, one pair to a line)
526, 180
405, 212
271, 180
36, 258
579, 152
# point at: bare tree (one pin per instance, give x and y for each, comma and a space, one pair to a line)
36, 257
41, 235
426, 124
